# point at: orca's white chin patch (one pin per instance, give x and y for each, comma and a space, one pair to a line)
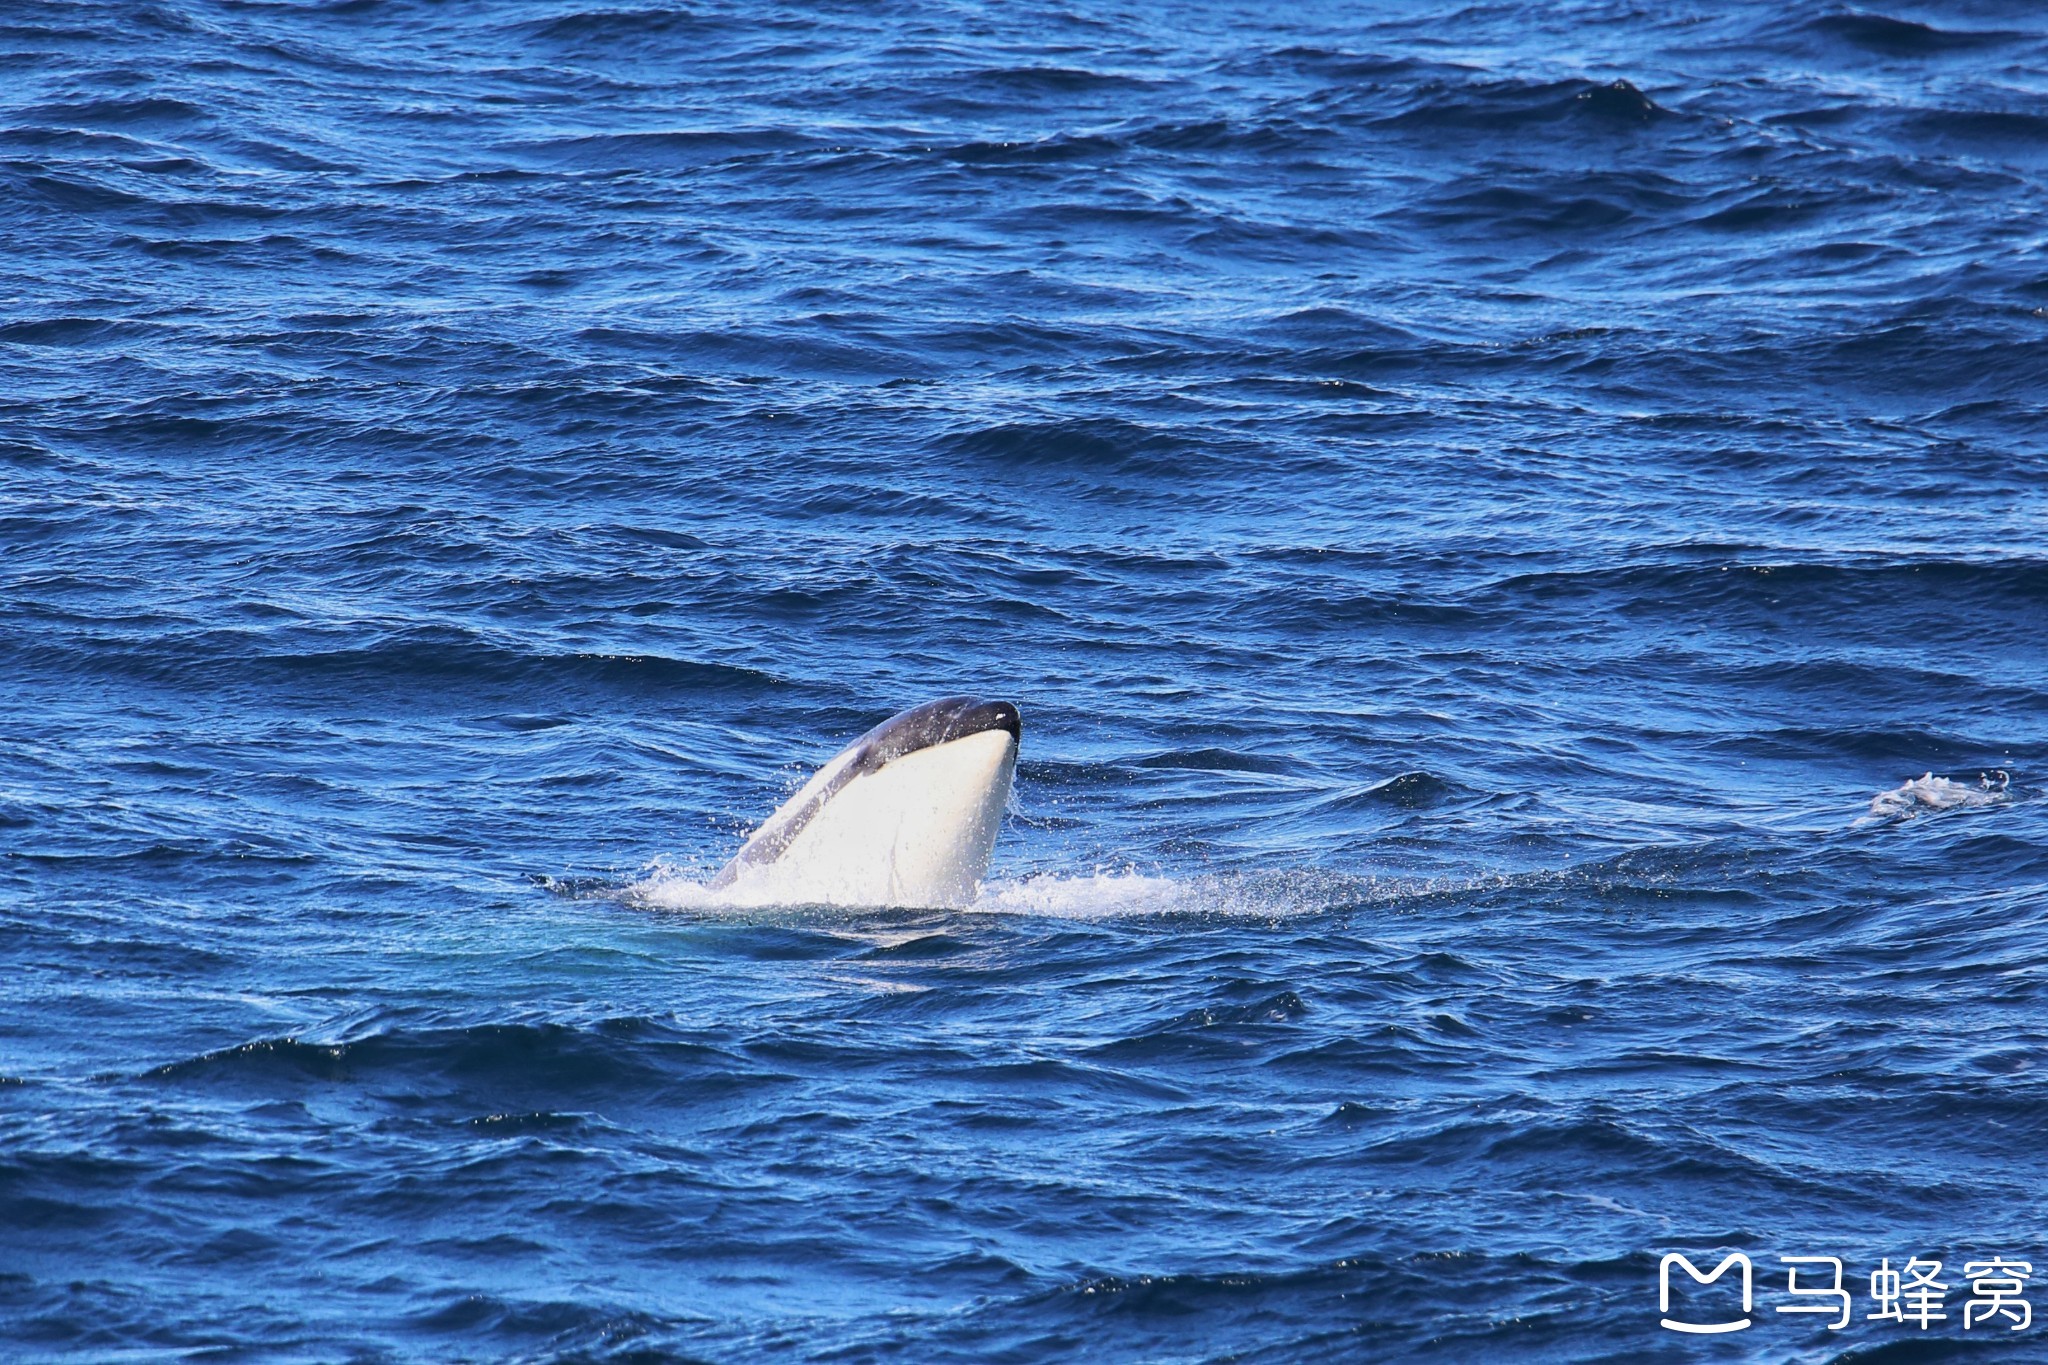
905, 816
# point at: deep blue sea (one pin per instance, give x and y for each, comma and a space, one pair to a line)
1519, 534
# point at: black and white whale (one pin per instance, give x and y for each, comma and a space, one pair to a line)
906, 815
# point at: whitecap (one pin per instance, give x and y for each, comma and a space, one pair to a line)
1930, 793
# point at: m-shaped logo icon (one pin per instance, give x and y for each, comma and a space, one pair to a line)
1664, 1292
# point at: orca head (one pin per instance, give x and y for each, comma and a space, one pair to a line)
906, 815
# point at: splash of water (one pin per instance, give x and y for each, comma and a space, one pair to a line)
1930, 793
1099, 894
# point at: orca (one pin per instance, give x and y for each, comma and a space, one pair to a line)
906, 815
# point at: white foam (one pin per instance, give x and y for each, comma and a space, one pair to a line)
1100, 894
1093, 896
1107, 894
1928, 792
670, 887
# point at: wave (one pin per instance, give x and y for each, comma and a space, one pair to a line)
1216, 760
610, 26
1057, 80
1211, 137
144, 110
402, 659
1509, 106
631, 1055
658, 149
77, 332
1902, 37
2010, 135
1037, 151
1085, 445
1771, 588
1414, 790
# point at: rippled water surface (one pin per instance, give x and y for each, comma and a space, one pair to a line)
1473, 506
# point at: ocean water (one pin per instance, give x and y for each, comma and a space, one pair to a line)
1517, 532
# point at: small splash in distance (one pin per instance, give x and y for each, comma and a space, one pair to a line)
1930, 793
